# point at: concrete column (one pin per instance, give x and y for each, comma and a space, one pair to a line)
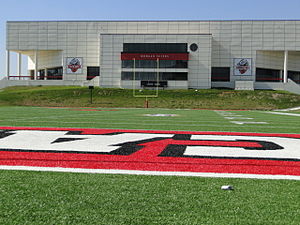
285, 66
7, 63
19, 65
46, 71
36, 61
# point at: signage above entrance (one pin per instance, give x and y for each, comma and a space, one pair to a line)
154, 56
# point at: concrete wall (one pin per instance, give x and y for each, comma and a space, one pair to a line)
199, 64
230, 39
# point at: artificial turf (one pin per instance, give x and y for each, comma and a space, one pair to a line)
74, 198
67, 198
185, 120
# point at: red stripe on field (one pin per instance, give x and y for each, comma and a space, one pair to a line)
148, 160
94, 161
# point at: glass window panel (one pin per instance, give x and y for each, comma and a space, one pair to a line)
92, 72
267, 75
127, 76
295, 76
55, 73
152, 76
127, 63
155, 47
221, 74
173, 64
41, 75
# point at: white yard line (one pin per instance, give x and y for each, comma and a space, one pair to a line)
233, 116
285, 114
290, 109
153, 173
247, 122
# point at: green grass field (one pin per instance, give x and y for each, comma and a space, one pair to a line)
171, 99
70, 198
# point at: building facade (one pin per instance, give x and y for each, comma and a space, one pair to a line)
169, 54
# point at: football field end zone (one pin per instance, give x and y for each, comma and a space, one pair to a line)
138, 167
150, 173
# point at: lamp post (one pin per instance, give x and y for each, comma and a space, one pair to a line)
91, 96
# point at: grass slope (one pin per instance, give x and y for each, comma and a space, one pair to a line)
200, 99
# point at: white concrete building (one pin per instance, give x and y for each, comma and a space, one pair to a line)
177, 54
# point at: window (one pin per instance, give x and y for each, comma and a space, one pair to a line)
295, 76
153, 64
31, 74
173, 76
127, 63
267, 75
152, 76
41, 75
92, 72
155, 47
221, 74
55, 73
173, 64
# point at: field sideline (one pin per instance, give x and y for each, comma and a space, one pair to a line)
73, 198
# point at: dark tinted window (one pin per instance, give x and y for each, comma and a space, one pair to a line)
295, 76
173, 64
32, 74
92, 72
152, 76
41, 75
153, 64
155, 47
267, 75
55, 73
220, 74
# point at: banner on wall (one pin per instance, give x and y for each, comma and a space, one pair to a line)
242, 67
74, 65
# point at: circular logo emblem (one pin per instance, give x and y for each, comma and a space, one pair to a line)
243, 66
193, 47
74, 65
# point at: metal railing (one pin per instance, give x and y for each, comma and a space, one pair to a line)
13, 77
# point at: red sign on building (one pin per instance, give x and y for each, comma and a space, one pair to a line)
154, 56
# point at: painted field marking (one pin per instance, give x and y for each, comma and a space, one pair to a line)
162, 152
160, 115
233, 116
289, 109
239, 118
151, 173
247, 122
285, 114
